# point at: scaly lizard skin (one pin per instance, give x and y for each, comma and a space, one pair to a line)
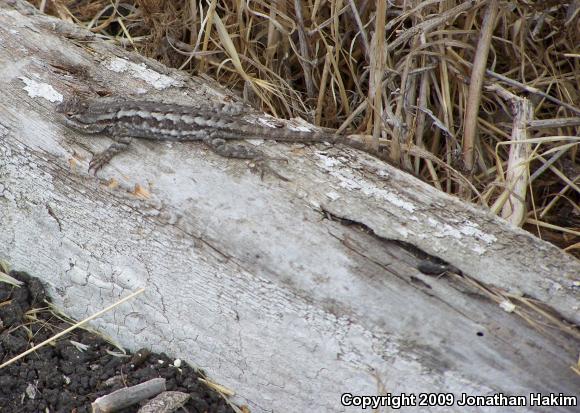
214, 124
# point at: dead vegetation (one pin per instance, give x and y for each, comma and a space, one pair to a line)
481, 97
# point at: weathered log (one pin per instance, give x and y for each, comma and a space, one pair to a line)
290, 292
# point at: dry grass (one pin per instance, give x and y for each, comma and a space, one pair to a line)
453, 90
32, 317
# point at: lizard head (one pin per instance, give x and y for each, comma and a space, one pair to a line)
75, 112
72, 107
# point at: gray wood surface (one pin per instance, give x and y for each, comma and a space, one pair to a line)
288, 292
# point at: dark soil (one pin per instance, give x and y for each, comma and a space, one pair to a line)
61, 378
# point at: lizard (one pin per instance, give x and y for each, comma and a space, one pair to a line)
215, 124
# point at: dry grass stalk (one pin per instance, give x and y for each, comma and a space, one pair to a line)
476, 82
375, 96
512, 201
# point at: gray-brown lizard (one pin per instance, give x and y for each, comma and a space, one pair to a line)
214, 124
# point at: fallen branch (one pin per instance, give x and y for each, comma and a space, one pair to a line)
128, 396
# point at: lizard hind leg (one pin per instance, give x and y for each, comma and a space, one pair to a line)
101, 159
240, 151
232, 150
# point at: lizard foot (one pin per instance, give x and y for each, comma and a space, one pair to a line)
99, 160
263, 167
103, 158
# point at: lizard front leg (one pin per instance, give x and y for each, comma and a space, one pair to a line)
101, 159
